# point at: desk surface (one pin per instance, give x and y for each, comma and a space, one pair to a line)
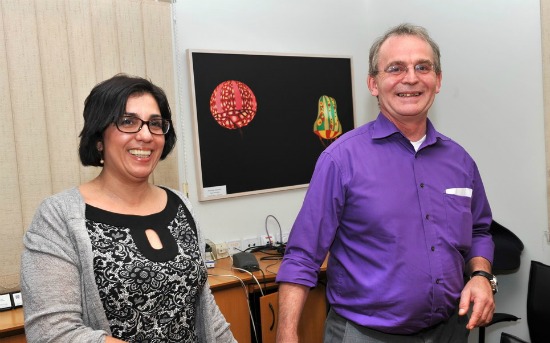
11, 320
223, 275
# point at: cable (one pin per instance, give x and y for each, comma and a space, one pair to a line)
243, 285
261, 248
271, 265
271, 256
263, 276
233, 276
267, 232
254, 277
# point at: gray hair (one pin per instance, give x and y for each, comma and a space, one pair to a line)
403, 30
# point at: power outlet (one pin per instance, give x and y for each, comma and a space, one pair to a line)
267, 240
250, 242
233, 247
221, 250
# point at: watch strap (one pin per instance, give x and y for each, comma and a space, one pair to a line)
492, 279
489, 276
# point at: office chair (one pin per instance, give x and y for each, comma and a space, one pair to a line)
538, 302
538, 305
507, 338
508, 248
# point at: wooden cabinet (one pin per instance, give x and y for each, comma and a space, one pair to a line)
20, 338
231, 298
232, 290
312, 323
11, 326
233, 303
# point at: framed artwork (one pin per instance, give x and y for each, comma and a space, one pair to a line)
5, 302
261, 120
16, 299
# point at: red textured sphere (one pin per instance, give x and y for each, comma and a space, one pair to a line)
233, 104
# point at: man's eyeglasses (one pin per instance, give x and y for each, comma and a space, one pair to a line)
399, 69
129, 123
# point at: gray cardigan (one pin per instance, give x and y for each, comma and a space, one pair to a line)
60, 298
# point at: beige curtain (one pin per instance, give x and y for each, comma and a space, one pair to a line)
52, 52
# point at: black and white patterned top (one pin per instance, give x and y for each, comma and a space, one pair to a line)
148, 295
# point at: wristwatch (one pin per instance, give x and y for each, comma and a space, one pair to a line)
492, 279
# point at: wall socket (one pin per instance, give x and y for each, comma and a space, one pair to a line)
221, 250
250, 242
267, 240
233, 247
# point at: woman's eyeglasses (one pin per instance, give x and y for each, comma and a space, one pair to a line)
131, 124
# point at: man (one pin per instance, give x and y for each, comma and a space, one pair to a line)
402, 211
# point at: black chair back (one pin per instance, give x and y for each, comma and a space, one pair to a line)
507, 338
508, 248
538, 302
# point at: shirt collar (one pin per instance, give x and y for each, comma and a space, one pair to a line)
384, 128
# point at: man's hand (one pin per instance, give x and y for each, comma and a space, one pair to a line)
479, 292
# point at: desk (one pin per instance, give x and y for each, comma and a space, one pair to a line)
11, 326
233, 303
232, 300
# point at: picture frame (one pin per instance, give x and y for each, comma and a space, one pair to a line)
276, 147
5, 302
16, 299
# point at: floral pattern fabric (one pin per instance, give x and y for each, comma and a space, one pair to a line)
149, 295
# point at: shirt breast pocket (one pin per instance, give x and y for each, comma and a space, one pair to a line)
459, 220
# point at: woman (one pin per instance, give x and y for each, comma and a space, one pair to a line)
119, 259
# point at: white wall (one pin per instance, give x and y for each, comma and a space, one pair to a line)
490, 102
306, 27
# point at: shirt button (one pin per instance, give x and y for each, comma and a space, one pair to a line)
438, 281
433, 248
422, 185
427, 217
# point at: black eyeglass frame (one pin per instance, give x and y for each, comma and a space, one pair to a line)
165, 124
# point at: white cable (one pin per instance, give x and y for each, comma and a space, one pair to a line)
253, 276
247, 299
236, 277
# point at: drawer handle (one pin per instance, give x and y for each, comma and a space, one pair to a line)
272, 316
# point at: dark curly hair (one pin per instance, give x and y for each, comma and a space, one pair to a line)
104, 106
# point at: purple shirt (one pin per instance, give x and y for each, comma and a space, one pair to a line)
400, 226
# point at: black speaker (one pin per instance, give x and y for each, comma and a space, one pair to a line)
246, 261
